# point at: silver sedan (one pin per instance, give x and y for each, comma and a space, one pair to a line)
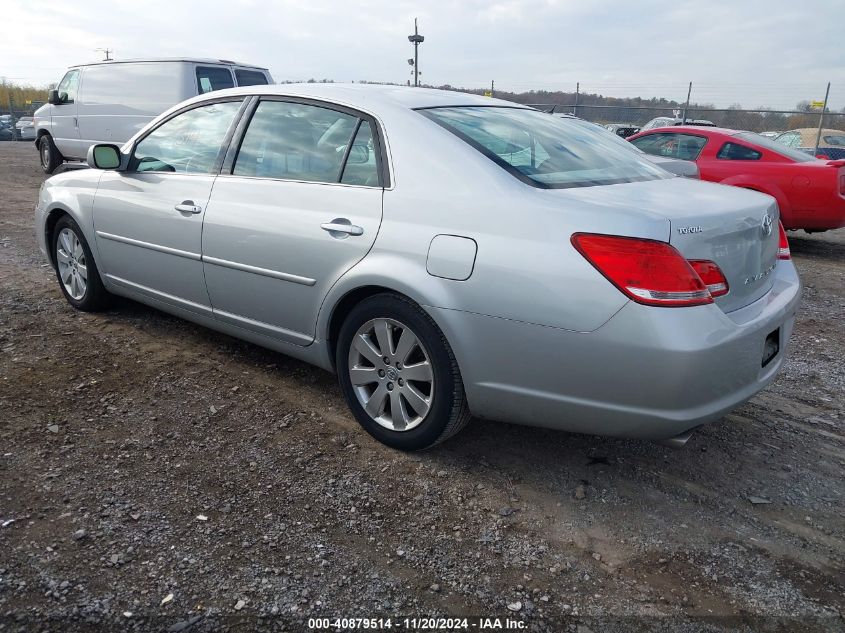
445, 254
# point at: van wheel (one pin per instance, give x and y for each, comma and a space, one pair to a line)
399, 374
49, 154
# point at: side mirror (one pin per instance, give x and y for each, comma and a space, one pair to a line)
53, 97
104, 156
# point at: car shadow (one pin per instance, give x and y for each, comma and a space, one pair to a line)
829, 245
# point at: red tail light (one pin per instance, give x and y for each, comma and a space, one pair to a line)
783, 245
649, 272
711, 275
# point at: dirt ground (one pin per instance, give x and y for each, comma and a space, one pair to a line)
155, 475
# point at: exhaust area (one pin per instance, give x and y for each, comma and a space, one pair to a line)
679, 441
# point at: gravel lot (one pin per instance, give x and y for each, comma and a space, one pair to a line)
155, 475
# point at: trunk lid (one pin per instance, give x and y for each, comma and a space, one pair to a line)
738, 230
706, 220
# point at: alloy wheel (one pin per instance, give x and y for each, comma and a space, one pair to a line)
73, 268
391, 374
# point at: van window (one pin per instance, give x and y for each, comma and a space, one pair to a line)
213, 78
151, 86
294, 141
189, 143
250, 77
68, 86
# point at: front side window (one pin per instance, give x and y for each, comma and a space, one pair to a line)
213, 78
735, 151
68, 86
250, 77
542, 150
672, 145
189, 143
296, 141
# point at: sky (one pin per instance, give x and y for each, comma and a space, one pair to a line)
753, 52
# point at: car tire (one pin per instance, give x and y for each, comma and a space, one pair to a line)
76, 270
429, 377
48, 154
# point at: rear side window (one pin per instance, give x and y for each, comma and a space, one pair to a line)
295, 141
838, 141
542, 150
672, 145
189, 143
250, 77
361, 167
213, 78
735, 151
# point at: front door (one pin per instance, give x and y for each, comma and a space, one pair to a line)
148, 219
301, 206
64, 124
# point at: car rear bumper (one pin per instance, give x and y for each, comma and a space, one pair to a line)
648, 372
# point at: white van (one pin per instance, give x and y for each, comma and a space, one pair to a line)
107, 102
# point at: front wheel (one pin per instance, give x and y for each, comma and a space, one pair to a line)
76, 270
48, 154
399, 375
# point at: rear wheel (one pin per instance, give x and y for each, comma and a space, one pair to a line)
399, 375
48, 154
76, 270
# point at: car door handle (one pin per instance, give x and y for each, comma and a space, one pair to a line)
188, 206
343, 226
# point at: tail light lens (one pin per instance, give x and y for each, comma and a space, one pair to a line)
783, 245
647, 271
712, 276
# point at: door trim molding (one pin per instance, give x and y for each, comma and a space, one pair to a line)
266, 272
148, 245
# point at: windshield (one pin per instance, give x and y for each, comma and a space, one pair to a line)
542, 150
779, 148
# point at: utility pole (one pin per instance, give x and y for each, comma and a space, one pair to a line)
492, 87
821, 120
577, 91
686, 105
416, 39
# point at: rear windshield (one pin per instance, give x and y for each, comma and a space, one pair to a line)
250, 77
780, 148
543, 150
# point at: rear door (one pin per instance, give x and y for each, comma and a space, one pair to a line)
300, 205
148, 219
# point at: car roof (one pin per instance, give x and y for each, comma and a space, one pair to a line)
192, 60
694, 129
366, 96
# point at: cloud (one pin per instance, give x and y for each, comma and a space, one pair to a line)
753, 52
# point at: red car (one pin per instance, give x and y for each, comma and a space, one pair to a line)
809, 192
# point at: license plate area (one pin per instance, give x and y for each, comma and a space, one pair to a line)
771, 347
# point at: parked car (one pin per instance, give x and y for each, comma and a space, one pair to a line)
810, 192
110, 101
623, 129
446, 254
685, 168
831, 142
666, 121
6, 131
25, 129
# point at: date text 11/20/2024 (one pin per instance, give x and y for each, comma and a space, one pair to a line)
417, 624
